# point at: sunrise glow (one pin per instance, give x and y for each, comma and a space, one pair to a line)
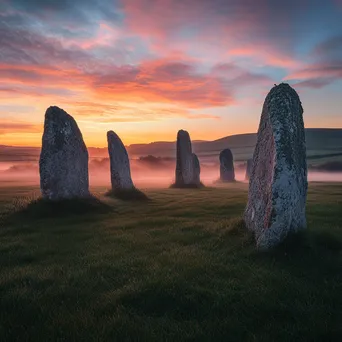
146, 68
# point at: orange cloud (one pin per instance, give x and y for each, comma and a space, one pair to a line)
7, 127
153, 81
107, 113
35, 75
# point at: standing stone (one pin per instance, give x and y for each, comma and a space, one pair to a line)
227, 173
120, 171
248, 169
185, 160
197, 170
63, 163
278, 181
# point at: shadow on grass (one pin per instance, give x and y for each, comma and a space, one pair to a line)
128, 195
178, 300
310, 243
43, 208
304, 243
236, 234
187, 186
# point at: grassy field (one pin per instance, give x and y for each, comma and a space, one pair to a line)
178, 267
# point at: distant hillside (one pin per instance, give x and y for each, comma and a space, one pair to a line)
320, 142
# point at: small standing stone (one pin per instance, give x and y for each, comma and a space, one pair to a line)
63, 163
227, 173
278, 181
120, 170
184, 163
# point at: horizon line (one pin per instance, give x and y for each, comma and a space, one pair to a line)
173, 141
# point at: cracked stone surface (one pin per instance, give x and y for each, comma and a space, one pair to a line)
278, 180
63, 163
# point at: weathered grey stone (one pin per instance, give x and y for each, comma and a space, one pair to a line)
197, 170
120, 170
248, 169
63, 163
227, 173
278, 181
185, 160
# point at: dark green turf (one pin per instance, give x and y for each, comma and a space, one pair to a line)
178, 267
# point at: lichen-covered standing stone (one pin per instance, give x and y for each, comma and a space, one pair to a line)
185, 160
278, 181
248, 169
63, 163
120, 170
196, 169
227, 173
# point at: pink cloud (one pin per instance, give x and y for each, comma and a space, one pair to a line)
160, 80
265, 54
233, 28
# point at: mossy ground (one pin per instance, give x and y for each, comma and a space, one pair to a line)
178, 267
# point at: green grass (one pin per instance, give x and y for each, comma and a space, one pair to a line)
187, 186
127, 195
178, 267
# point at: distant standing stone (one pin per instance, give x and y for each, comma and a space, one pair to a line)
120, 171
278, 181
248, 169
227, 173
185, 160
63, 163
197, 170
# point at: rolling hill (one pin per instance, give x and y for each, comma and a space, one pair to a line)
321, 142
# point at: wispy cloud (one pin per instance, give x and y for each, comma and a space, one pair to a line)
160, 61
18, 127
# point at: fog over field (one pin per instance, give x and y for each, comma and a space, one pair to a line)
148, 172
153, 164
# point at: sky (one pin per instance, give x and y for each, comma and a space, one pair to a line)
147, 68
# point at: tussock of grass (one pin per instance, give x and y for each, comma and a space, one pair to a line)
128, 195
43, 208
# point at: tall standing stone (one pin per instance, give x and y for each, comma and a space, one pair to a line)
185, 160
197, 170
227, 173
63, 163
120, 171
248, 169
278, 182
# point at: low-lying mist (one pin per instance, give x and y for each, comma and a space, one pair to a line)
147, 172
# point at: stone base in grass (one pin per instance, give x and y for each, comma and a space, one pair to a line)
187, 186
128, 195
